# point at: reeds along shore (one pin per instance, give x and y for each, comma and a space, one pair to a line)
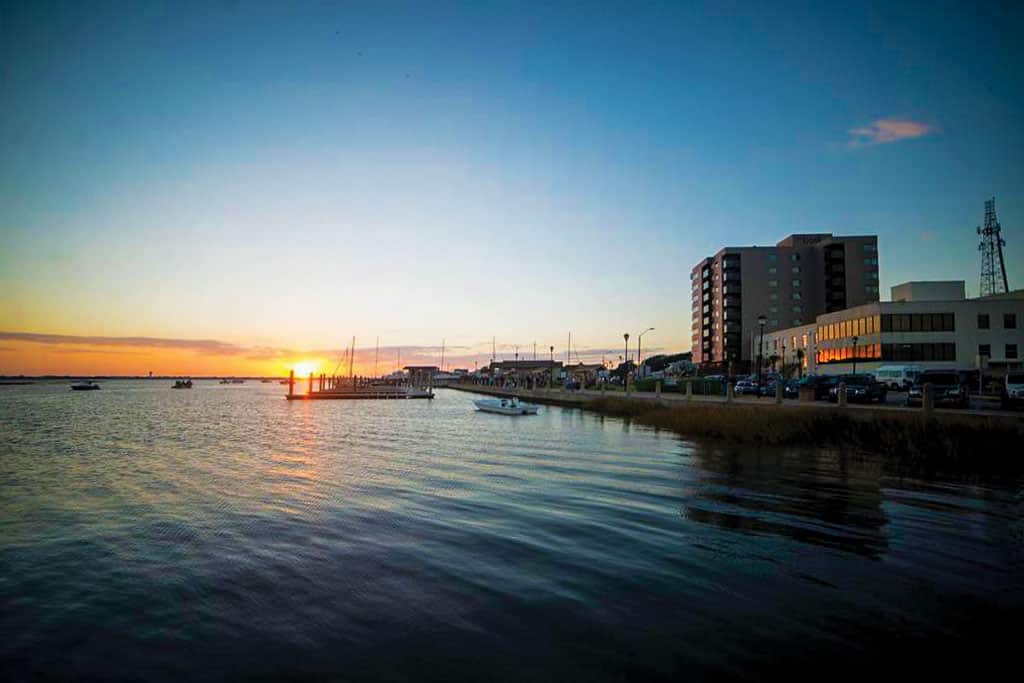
910, 443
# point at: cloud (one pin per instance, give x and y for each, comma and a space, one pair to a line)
884, 131
203, 345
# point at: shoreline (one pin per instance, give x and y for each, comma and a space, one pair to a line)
954, 441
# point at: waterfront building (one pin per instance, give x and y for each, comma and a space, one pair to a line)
790, 284
931, 324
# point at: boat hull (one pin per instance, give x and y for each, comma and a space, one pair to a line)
504, 407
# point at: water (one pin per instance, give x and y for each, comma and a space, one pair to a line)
223, 532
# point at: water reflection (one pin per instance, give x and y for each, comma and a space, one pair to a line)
823, 498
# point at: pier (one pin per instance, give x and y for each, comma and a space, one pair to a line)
354, 388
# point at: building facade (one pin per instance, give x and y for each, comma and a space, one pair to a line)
789, 284
964, 334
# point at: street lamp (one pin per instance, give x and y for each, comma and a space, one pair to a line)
855, 354
783, 360
761, 321
639, 339
551, 369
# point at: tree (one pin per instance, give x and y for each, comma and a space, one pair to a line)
800, 363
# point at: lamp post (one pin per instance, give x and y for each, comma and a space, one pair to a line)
855, 354
551, 369
639, 340
761, 321
783, 371
625, 369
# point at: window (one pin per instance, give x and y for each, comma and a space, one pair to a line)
1010, 321
798, 321
1011, 352
772, 258
871, 262
870, 248
773, 309
773, 283
796, 296
983, 321
944, 352
773, 270
871, 289
985, 350
796, 270
796, 283
798, 309
773, 296
873, 275
794, 257
773, 323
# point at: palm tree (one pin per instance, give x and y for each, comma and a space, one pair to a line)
800, 363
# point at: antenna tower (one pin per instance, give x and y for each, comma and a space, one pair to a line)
993, 268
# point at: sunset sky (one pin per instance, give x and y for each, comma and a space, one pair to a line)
232, 187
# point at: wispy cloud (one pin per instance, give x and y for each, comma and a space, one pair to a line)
202, 345
884, 131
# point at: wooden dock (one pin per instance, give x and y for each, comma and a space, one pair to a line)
354, 389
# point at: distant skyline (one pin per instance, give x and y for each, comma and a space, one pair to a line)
231, 188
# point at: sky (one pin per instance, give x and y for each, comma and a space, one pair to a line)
234, 187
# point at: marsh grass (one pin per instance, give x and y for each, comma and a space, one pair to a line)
908, 442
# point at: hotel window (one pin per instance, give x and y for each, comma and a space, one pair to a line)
804, 340
797, 321
871, 262
773, 296
1010, 321
798, 309
796, 270
871, 276
796, 296
772, 258
870, 248
773, 270
983, 323
794, 257
773, 283
773, 323
1011, 352
796, 283
985, 350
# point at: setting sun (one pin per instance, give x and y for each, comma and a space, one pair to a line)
304, 368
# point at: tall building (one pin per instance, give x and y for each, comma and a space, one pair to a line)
789, 284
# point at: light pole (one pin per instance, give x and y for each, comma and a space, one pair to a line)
761, 321
625, 363
783, 372
551, 369
855, 354
639, 340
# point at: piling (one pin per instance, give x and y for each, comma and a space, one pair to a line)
310, 390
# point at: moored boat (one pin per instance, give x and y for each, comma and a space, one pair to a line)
505, 406
179, 384
88, 385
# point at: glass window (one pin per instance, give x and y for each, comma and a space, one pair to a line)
772, 258
773, 296
796, 283
773, 309
796, 270
948, 322
926, 322
983, 321
985, 350
1010, 321
773, 270
773, 283
798, 309
886, 323
794, 257
1011, 351
796, 296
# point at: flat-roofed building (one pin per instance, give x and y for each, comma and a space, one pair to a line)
789, 284
956, 333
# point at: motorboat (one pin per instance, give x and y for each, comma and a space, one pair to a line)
88, 385
232, 381
179, 384
505, 406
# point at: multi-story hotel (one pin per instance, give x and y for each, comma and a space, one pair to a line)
789, 284
930, 324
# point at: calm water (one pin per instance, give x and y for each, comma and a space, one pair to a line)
223, 532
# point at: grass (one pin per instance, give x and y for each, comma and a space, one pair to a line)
907, 442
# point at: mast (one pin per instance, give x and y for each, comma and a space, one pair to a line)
351, 359
376, 356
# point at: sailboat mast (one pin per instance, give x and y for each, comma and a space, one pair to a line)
376, 356
442, 355
351, 359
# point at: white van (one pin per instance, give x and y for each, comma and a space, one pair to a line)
898, 377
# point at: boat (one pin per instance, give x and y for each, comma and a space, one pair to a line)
179, 384
265, 381
232, 381
88, 385
505, 406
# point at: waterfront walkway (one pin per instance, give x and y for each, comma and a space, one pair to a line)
578, 399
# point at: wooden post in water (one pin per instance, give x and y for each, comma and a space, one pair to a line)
291, 382
310, 389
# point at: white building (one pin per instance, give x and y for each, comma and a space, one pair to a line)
926, 324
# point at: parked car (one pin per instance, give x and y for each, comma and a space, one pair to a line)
947, 386
1013, 390
746, 387
791, 389
821, 383
861, 388
898, 377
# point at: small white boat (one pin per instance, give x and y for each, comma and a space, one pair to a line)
88, 385
505, 406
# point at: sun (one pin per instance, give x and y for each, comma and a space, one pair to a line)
304, 368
